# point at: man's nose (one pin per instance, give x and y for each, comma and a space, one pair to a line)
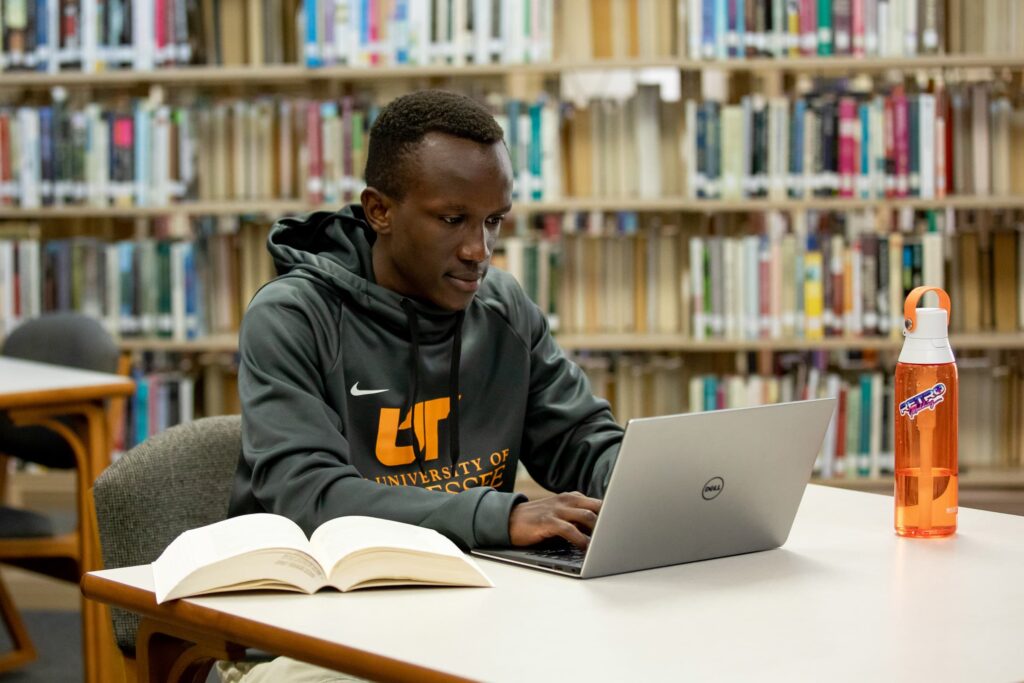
476, 245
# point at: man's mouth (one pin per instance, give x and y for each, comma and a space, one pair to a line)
467, 282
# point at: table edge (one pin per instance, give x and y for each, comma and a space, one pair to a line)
258, 635
40, 397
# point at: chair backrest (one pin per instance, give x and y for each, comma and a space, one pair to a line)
71, 339
176, 480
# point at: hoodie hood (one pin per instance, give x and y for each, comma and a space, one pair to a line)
336, 250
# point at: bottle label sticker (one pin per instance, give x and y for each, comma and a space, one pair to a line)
927, 399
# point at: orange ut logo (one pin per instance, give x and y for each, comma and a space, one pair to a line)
426, 417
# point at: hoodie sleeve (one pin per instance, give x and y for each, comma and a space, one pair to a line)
294, 448
571, 439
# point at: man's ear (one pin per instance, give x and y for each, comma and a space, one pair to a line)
378, 209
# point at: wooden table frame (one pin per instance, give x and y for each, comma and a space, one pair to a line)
180, 641
89, 436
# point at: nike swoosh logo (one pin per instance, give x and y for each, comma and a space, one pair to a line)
356, 391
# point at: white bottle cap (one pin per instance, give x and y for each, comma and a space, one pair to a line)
931, 324
928, 342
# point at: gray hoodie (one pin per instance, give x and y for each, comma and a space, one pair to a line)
359, 401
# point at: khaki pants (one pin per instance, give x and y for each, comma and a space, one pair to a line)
280, 670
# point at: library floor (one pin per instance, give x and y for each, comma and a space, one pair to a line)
57, 635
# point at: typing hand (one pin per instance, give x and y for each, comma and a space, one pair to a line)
568, 515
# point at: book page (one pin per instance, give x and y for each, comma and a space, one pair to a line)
274, 548
342, 536
358, 552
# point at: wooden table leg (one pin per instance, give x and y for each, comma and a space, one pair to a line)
90, 440
166, 653
97, 631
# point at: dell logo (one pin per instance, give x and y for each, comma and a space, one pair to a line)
713, 488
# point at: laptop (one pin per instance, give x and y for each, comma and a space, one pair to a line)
694, 487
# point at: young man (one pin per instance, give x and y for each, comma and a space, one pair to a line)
388, 372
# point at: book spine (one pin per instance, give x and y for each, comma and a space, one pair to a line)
910, 22
794, 34
864, 146
825, 28
842, 19
814, 296
901, 136
708, 39
848, 124
313, 51
926, 146
809, 27
859, 29
883, 27
913, 145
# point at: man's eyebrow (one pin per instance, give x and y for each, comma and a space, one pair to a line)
462, 208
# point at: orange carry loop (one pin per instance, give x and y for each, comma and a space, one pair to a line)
910, 306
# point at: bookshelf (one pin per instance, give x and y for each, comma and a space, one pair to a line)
576, 204
271, 76
587, 41
685, 344
228, 343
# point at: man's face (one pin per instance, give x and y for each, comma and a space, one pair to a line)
436, 243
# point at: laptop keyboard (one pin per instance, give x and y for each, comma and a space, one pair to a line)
567, 553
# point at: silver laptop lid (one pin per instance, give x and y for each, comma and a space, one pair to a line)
702, 485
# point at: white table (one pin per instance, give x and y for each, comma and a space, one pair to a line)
844, 599
38, 394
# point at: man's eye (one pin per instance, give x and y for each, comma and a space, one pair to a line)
495, 221
451, 220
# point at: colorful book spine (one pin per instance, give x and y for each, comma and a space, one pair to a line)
825, 28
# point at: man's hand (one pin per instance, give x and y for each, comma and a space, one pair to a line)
571, 516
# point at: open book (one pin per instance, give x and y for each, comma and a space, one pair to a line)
270, 552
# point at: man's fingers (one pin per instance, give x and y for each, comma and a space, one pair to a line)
578, 500
570, 533
581, 517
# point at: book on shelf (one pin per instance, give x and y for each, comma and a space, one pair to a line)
811, 275
270, 552
822, 143
738, 29
181, 289
98, 35
161, 400
821, 275
101, 35
151, 154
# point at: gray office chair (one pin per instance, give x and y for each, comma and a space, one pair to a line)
28, 539
70, 339
174, 481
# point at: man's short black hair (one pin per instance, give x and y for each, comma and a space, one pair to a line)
404, 122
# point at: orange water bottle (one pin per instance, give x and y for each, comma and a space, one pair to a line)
926, 422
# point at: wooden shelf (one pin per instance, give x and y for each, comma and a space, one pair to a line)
971, 478
644, 342
219, 343
294, 74
682, 343
710, 206
282, 207
271, 207
860, 64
